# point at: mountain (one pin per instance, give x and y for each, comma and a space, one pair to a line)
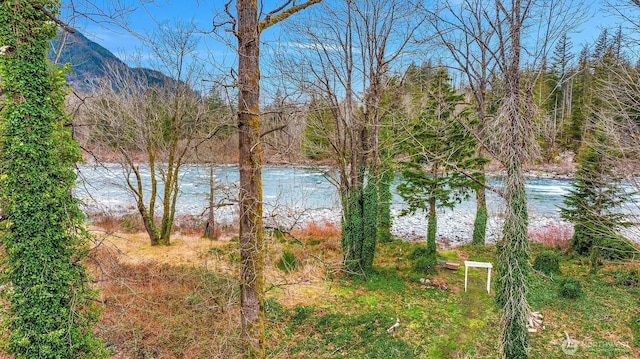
90, 61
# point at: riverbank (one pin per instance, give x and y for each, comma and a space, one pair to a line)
295, 196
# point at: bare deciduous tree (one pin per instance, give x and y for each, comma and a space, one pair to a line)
464, 31
157, 117
346, 59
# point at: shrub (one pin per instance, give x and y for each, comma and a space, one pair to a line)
547, 262
424, 260
627, 277
611, 245
419, 252
425, 265
321, 230
617, 247
287, 262
570, 288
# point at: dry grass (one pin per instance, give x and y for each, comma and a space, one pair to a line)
191, 251
555, 235
185, 224
166, 302
324, 230
182, 301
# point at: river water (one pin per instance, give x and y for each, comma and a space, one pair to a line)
294, 195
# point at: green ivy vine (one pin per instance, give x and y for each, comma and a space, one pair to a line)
49, 313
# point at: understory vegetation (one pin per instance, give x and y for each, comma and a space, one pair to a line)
182, 301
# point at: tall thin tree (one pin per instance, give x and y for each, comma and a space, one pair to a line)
247, 28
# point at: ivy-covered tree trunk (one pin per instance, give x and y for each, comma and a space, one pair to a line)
513, 267
480, 222
48, 314
370, 223
432, 226
352, 234
432, 223
384, 206
360, 227
516, 113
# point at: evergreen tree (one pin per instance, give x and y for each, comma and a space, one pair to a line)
547, 97
562, 57
49, 313
594, 201
602, 45
437, 147
560, 77
616, 44
573, 129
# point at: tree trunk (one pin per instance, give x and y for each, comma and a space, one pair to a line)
433, 219
513, 254
149, 225
432, 225
250, 167
209, 228
170, 187
480, 223
145, 213
513, 257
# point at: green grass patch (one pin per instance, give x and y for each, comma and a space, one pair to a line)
452, 323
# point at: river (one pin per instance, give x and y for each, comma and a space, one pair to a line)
295, 195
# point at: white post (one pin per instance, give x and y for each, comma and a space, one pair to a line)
489, 280
466, 273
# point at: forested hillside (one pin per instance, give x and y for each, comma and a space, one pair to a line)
90, 62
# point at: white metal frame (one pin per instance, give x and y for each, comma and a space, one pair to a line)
487, 265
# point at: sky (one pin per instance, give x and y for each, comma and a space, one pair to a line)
147, 15
211, 49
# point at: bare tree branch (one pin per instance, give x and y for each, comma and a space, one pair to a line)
274, 17
53, 18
